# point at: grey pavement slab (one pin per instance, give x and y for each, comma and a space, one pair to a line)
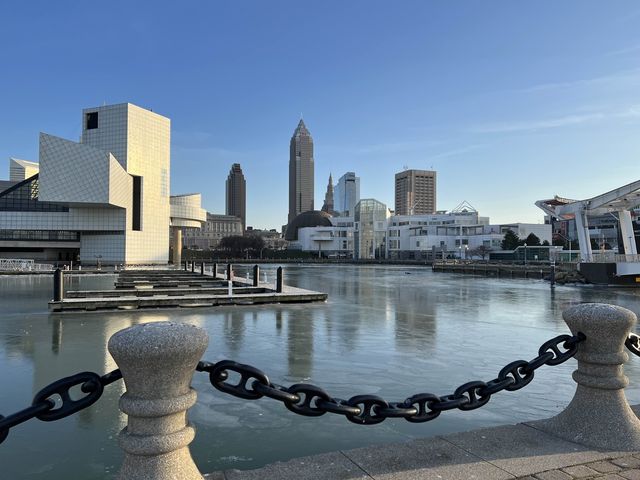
326, 466
424, 459
522, 450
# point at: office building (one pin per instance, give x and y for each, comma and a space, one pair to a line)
236, 199
215, 229
415, 192
103, 200
301, 166
346, 194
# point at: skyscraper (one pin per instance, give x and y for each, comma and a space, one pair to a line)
347, 194
415, 192
236, 203
300, 172
328, 197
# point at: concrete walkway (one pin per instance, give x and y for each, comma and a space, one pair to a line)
508, 452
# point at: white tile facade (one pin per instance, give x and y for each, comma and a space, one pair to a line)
21, 169
121, 146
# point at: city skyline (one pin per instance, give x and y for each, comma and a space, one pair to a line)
503, 101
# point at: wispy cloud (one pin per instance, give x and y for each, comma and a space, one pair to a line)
624, 51
384, 148
457, 151
604, 80
557, 122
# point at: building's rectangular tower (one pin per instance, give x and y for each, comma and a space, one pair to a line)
301, 168
140, 141
236, 191
347, 194
415, 192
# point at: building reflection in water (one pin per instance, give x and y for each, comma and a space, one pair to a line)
415, 320
234, 329
299, 323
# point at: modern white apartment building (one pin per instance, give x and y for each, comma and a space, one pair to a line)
375, 234
109, 192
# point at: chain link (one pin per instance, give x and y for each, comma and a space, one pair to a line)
45, 408
312, 401
633, 344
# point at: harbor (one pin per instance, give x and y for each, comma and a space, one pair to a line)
381, 331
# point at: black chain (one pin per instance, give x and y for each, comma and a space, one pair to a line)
312, 401
45, 408
633, 344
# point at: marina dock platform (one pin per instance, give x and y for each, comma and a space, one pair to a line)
181, 289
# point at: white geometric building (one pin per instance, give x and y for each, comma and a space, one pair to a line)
111, 189
21, 169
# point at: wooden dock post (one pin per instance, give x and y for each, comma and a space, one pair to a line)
256, 275
229, 271
58, 285
214, 270
279, 280
193, 266
202, 268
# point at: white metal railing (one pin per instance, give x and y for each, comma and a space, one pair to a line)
612, 257
23, 265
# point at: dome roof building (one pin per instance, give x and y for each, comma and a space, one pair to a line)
312, 218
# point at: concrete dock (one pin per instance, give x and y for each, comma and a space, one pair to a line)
180, 289
507, 452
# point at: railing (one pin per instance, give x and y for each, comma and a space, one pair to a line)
158, 360
23, 265
612, 257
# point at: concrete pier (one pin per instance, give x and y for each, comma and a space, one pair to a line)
507, 452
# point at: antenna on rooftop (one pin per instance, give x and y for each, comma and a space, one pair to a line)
405, 167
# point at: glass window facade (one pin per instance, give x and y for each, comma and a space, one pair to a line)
370, 242
23, 197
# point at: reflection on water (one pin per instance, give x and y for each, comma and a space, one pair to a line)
392, 331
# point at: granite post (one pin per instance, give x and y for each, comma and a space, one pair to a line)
599, 415
157, 361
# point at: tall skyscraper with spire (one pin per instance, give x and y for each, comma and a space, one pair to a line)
328, 197
236, 201
300, 172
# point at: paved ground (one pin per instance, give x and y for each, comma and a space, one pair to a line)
509, 452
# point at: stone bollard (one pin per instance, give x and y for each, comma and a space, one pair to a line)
256, 275
599, 415
157, 361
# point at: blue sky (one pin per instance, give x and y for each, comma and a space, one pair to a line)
509, 101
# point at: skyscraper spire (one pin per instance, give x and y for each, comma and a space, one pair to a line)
328, 197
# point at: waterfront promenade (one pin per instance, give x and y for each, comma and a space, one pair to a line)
509, 452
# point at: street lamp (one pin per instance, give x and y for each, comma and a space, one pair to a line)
525, 254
